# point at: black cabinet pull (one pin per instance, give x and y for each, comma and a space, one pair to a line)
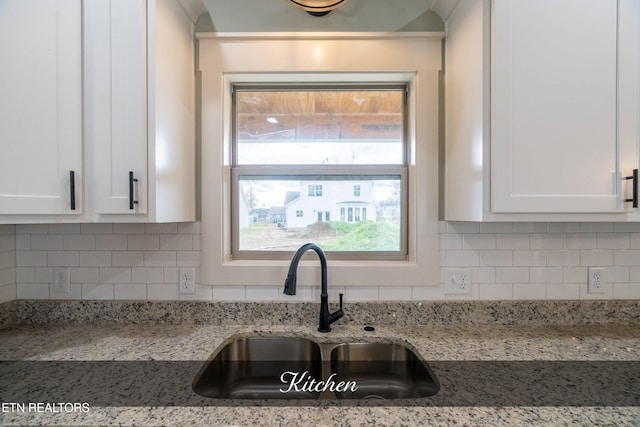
72, 187
634, 197
132, 180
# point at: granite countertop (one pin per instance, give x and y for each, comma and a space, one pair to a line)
197, 342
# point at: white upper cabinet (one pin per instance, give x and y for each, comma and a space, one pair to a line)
41, 108
116, 75
542, 114
139, 59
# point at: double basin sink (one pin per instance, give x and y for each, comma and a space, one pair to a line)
298, 368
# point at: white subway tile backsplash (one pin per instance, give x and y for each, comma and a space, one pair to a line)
7, 293
626, 291
496, 227
143, 242
229, 293
81, 242
32, 291
613, 241
512, 274
512, 241
114, 275
188, 258
162, 291
462, 258
594, 258
31, 258
529, 258
395, 293
127, 258
130, 291
602, 227
142, 261
176, 242
562, 258
96, 228
95, 258
529, 291
160, 259
627, 257
580, 241
103, 291
563, 291
75, 292
361, 293
88, 275
46, 242
495, 291
546, 241
148, 275
64, 229
545, 275
63, 258
162, 228
496, 258
111, 242
479, 241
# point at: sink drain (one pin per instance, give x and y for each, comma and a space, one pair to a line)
373, 396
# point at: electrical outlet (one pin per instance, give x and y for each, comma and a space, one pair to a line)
457, 281
61, 280
187, 281
597, 282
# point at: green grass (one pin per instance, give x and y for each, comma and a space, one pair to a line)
365, 236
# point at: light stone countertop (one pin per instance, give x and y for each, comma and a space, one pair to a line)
197, 342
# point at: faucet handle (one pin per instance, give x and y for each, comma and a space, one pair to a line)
340, 295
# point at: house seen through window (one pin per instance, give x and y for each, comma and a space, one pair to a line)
321, 164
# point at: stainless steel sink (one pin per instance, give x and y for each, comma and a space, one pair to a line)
382, 371
297, 368
251, 368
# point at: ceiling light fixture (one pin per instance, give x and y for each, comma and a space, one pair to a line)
317, 7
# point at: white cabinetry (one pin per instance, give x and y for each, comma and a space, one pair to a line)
116, 76
106, 90
139, 59
542, 109
41, 107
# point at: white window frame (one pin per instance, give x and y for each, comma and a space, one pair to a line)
412, 59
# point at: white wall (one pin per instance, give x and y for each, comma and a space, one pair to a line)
509, 261
7, 263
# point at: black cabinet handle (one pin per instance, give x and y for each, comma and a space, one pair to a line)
634, 197
132, 180
72, 187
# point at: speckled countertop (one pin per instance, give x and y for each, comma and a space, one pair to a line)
197, 342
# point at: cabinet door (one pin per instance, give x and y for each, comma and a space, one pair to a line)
554, 106
40, 106
115, 75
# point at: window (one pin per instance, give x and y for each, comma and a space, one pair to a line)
404, 59
301, 147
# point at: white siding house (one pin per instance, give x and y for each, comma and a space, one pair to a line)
321, 201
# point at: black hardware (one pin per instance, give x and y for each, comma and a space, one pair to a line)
72, 186
634, 198
132, 202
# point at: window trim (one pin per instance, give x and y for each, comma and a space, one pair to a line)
330, 58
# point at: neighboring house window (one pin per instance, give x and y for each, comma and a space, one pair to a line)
315, 141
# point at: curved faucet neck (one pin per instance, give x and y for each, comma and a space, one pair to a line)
296, 259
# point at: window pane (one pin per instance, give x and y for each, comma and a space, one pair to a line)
281, 214
319, 126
